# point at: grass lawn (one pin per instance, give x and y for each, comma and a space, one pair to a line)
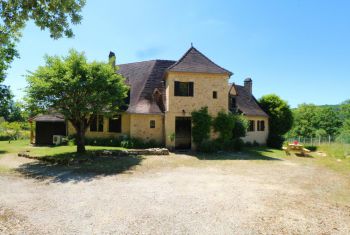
337, 157
23, 145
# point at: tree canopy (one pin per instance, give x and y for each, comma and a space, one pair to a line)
77, 89
56, 16
280, 118
280, 114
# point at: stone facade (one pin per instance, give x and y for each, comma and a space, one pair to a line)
203, 87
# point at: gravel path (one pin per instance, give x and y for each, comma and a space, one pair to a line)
232, 197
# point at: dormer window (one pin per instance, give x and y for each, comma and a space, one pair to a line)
233, 105
183, 89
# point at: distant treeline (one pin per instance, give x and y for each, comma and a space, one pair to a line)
324, 120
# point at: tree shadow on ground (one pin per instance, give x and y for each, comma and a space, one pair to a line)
3, 151
62, 168
247, 154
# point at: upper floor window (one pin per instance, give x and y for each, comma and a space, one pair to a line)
115, 124
152, 124
215, 94
251, 126
183, 89
97, 123
261, 125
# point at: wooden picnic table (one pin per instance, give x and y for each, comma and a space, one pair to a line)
298, 148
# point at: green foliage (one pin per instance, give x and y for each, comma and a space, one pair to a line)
123, 141
275, 141
11, 129
5, 99
311, 120
345, 110
201, 123
224, 123
56, 16
241, 126
280, 114
280, 118
13, 112
311, 147
209, 146
77, 89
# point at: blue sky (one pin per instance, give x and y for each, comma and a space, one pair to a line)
297, 49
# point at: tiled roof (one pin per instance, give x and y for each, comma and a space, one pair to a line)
247, 104
144, 78
194, 61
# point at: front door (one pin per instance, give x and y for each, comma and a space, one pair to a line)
183, 135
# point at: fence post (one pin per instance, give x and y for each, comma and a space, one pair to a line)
329, 139
311, 141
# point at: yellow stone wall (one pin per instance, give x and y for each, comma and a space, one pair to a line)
203, 87
140, 127
258, 136
105, 133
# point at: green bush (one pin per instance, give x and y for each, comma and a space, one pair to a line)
238, 144
201, 124
224, 124
311, 147
275, 141
122, 141
209, 146
241, 126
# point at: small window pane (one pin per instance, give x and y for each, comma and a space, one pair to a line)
251, 126
115, 124
152, 124
93, 125
100, 123
215, 95
261, 125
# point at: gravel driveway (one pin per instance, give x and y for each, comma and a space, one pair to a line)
177, 194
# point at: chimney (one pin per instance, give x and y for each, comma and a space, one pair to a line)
111, 59
248, 85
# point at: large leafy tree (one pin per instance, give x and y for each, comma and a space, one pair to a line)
280, 118
56, 16
311, 120
77, 89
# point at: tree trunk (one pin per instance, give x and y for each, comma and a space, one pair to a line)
80, 138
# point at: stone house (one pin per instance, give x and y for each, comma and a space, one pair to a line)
163, 93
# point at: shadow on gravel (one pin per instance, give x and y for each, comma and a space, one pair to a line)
63, 168
249, 154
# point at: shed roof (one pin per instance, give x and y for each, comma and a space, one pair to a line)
49, 118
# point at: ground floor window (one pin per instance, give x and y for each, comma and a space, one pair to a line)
261, 125
251, 126
96, 123
115, 124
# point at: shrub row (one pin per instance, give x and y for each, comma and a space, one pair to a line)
123, 141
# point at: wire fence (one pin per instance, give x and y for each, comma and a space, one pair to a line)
316, 141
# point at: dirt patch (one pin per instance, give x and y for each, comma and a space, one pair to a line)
180, 194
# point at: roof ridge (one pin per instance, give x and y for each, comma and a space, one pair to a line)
201, 54
182, 57
144, 61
